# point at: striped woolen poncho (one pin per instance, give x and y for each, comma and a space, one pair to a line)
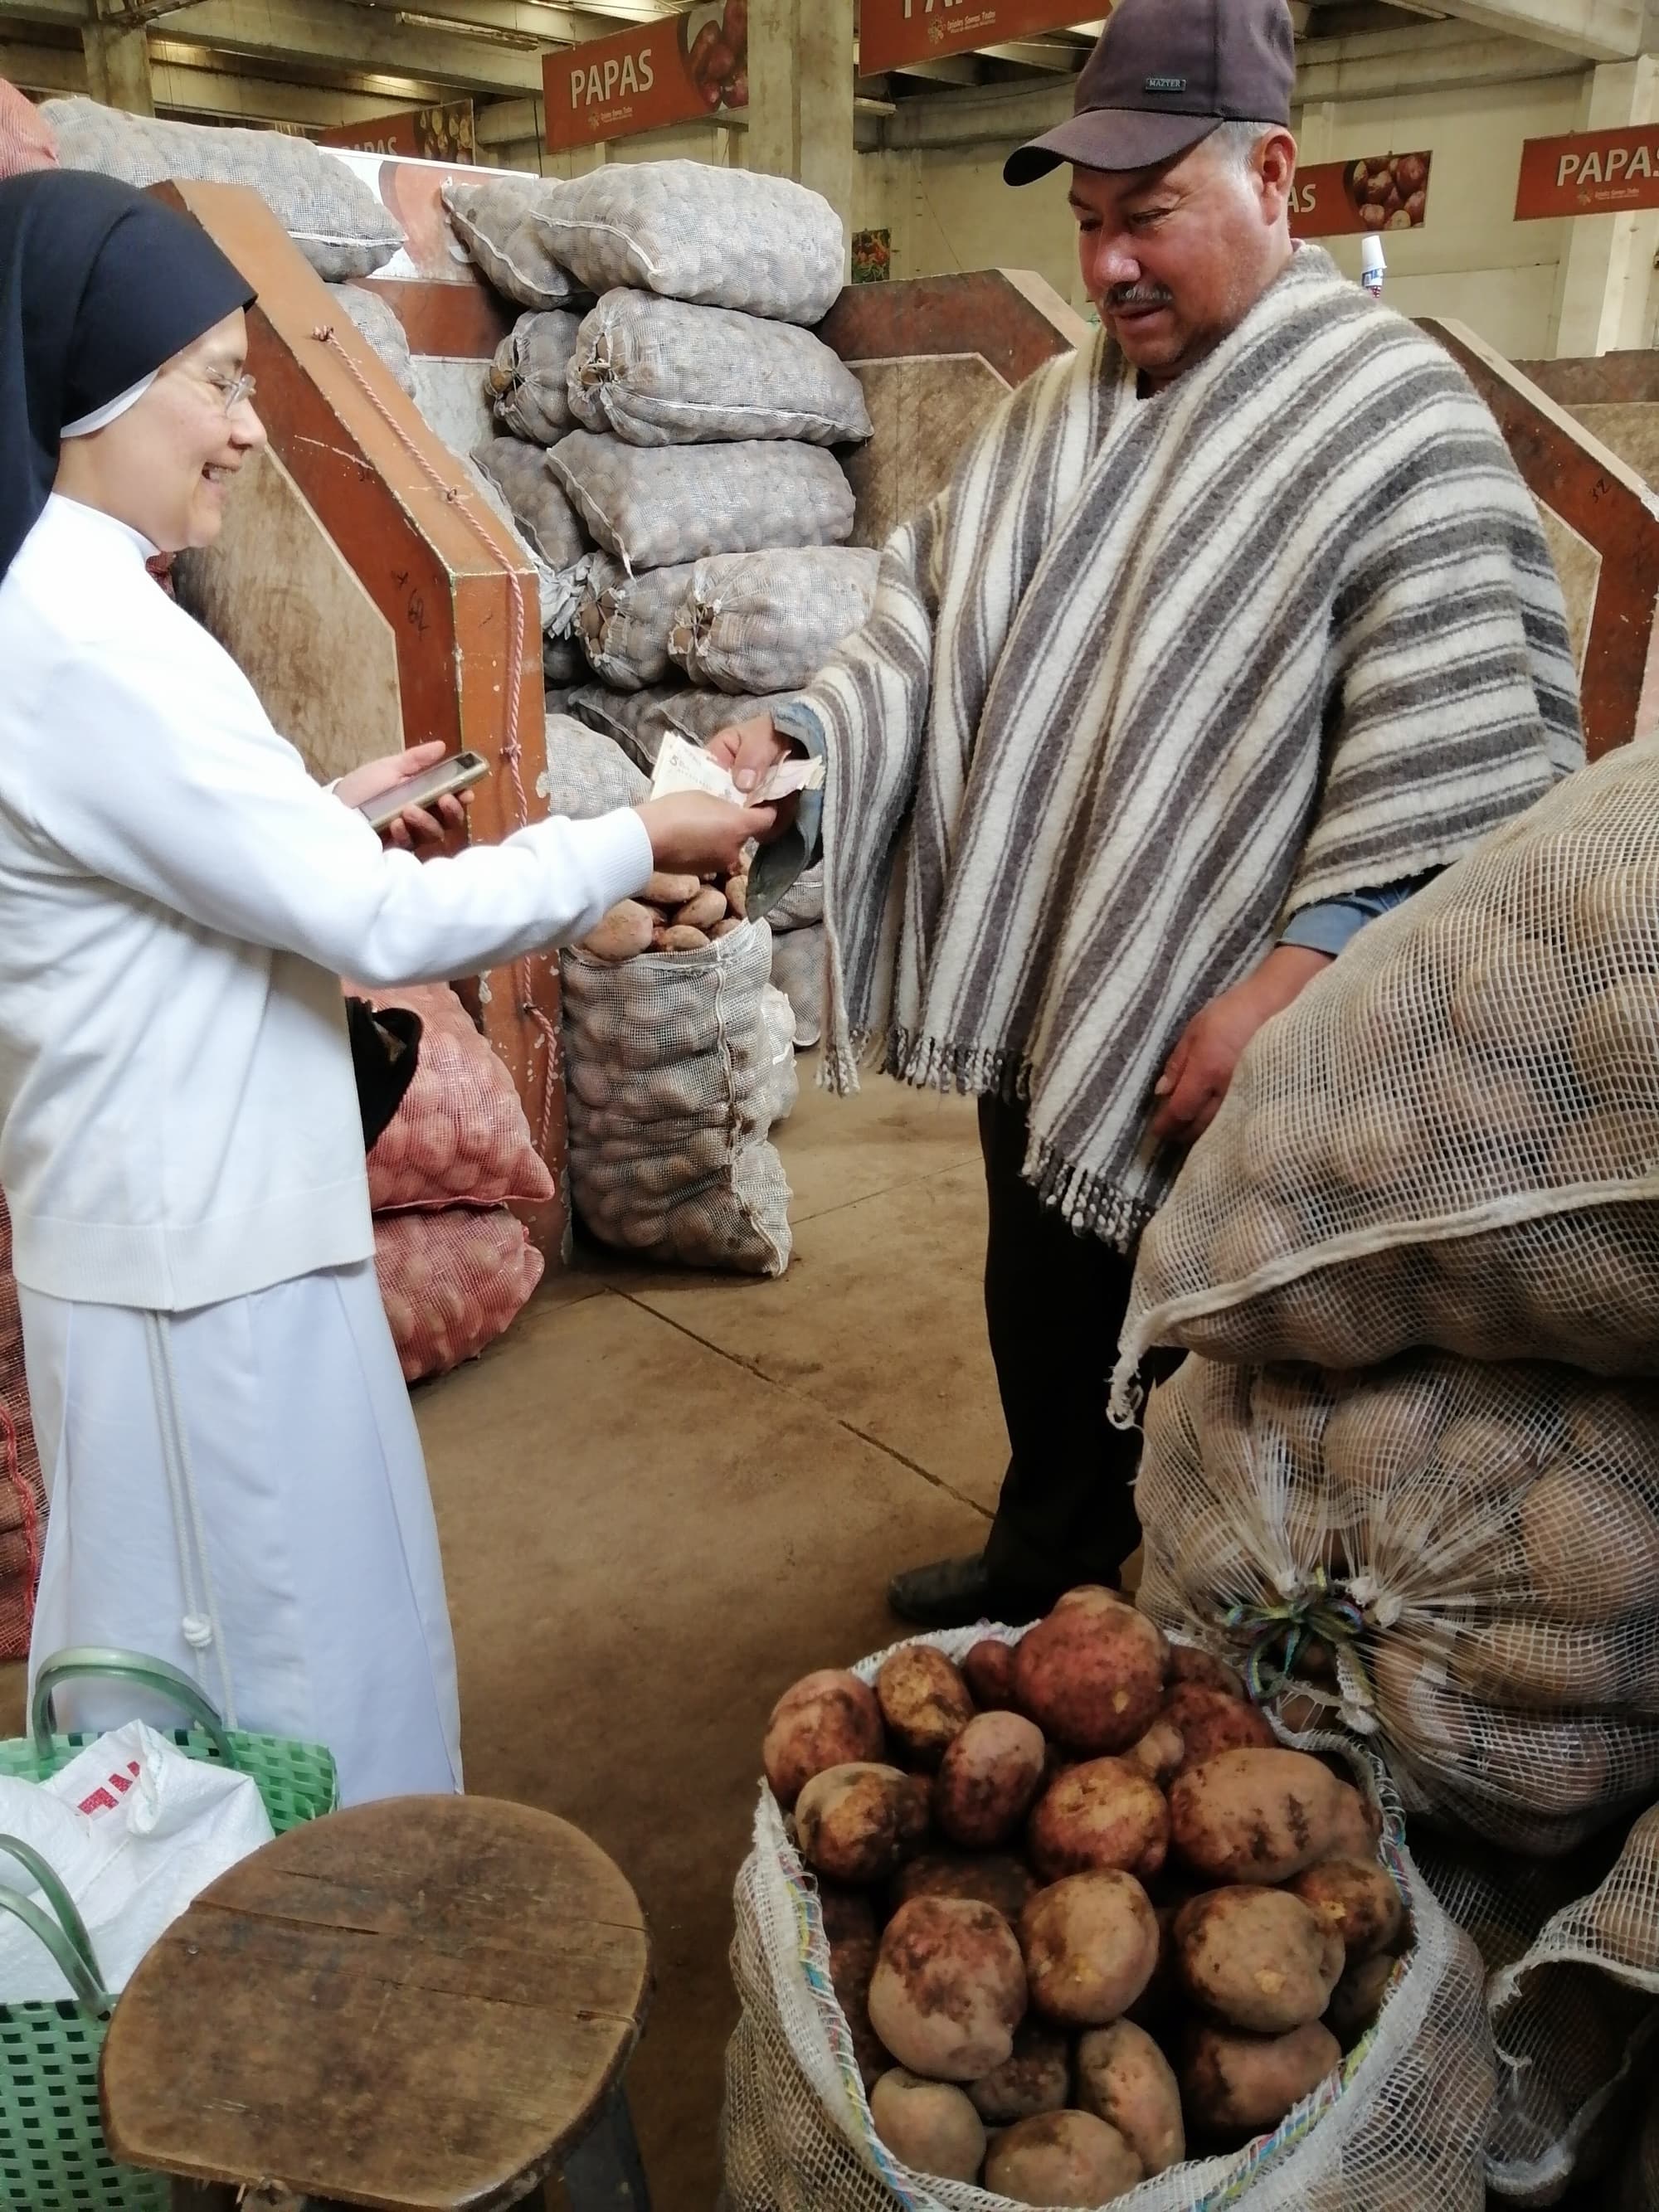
1151, 675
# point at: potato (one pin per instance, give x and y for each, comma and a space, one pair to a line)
988, 1671
1091, 1675
1235, 2085
992, 1878
1210, 1721
1257, 1958
1162, 1752
624, 933
737, 896
1124, 2078
1090, 1945
1357, 1900
924, 1701
670, 891
1090, 1597
826, 1719
949, 1989
1592, 1544
1037, 2078
726, 928
1357, 1826
928, 2126
1061, 2158
1188, 1664
703, 910
1257, 1816
1105, 1812
988, 1778
1358, 1997
856, 1823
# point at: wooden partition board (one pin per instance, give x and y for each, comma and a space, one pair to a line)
438, 570
1602, 520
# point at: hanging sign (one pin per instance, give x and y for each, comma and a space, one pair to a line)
1372, 191
414, 134
893, 32
1589, 172
675, 71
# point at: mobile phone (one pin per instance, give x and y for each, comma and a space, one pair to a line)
458, 773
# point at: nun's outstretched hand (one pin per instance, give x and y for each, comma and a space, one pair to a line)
416, 825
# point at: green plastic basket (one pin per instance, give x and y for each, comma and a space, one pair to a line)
52, 2152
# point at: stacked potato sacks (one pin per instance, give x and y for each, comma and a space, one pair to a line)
1432, 1197
455, 1264
1077, 1923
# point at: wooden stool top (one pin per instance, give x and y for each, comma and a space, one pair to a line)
420, 2004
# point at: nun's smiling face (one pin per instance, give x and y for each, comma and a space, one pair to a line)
165, 467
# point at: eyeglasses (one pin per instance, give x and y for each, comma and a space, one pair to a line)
234, 389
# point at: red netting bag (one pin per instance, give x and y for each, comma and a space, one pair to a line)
453, 1282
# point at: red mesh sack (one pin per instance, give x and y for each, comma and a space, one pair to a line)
459, 1137
26, 136
22, 1494
453, 1282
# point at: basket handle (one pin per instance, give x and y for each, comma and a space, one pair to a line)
66, 1937
91, 1663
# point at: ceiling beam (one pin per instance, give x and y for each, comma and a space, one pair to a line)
1595, 30
336, 35
1431, 58
1039, 54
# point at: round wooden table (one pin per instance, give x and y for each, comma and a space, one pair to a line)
417, 2006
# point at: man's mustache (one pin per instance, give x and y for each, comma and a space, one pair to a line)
1139, 296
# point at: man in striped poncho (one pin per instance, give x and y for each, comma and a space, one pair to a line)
1230, 628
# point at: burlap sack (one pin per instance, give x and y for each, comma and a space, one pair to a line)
1399, 2128
495, 223
623, 621
1459, 1561
376, 319
659, 373
452, 1282
639, 720
1452, 1137
654, 508
328, 211
527, 382
672, 1091
724, 238
26, 139
755, 623
22, 1493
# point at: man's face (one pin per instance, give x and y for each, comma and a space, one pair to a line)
1174, 258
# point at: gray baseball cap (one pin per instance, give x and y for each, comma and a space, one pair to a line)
1163, 75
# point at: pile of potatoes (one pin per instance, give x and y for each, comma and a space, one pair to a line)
1085, 1914
673, 914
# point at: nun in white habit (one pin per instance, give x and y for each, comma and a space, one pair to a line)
235, 1479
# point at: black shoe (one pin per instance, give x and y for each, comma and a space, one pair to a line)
957, 1593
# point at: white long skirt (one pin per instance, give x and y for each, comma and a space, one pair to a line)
240, 1491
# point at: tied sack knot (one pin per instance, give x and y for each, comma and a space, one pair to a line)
1279, 1634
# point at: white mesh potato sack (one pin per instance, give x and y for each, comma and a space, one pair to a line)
541, 511
623, 621
1452, 1137
1398, 2127
768, 621
1459, 1561
653, 506
659, 373
526, 383
723, 238
376, 319
672, 1090
495, 223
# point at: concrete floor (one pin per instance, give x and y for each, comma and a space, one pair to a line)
665, 1496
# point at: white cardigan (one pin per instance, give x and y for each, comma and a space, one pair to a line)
179, 900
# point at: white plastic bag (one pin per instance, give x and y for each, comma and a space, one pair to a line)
134, 1831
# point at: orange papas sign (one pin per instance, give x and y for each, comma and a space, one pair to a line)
895, 31
674, 70
1589, 172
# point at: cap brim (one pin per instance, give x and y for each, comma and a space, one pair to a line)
1108, 138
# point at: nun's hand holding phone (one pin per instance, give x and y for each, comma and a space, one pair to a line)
415, 826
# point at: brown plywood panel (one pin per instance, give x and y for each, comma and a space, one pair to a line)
1579, 566
926, 413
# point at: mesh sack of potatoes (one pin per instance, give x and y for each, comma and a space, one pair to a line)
659, 373
1458, 1560
587, 773
722, 238
378, 321
1452, 1137
639, 720
623, 621
1395, 2126
495, 223
799, 970
525, 384
759, 623
1572, 1958
452, 1282
672, 1090
331, 216
655, 505
516, 474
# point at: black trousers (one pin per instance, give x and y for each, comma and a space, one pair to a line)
1054, 1305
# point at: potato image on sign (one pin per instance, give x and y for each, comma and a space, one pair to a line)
1389, 191
716, 44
